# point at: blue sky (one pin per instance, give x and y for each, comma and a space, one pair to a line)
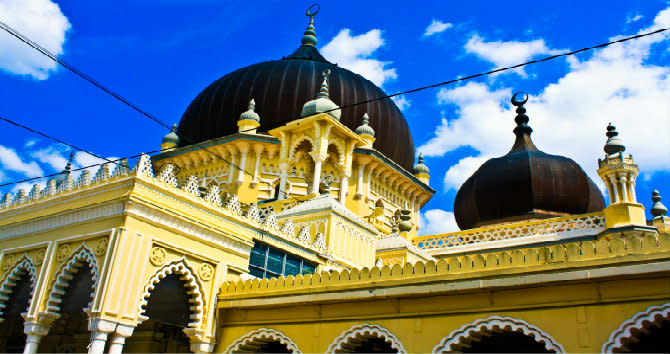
160, 55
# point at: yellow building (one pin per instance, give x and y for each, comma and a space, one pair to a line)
282, 218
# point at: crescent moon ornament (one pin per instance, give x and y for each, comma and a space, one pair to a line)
519, 98
313, 10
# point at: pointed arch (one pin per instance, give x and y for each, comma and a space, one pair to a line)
453, 342
263, 335
193, 289
80, 256
366, 329
24, 266
641, 321
297, 144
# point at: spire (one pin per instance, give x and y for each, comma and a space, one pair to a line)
522, 130
309, 38
657, 209
420, 167
613, 144
323, 92
365, 128
68, 167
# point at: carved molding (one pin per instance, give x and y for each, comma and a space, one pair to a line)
82, 255
25, 266
457, 340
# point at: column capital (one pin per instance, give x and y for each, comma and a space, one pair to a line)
101, 325
200, 343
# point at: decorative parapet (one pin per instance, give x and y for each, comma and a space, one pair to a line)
514, 234
636, 245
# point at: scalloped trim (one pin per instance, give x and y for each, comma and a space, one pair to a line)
369, 330
649, 316
25, 266
83, 254
259, 334
470, 330
194, 289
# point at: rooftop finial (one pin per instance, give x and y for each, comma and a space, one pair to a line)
657, 209
365, 128
323, 92
68, 167
613, 144
522, 130
309, 38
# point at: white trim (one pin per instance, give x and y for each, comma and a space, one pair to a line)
366, 329
62, 280
194, 290
640, 321
452, 342
262, 334
26, 265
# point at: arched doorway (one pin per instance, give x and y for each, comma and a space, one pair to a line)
366, 338
646, 332
168, 314
263, 340
500, 335
12, 338
69, 333
504, 342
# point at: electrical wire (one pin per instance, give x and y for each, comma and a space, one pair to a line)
53, 138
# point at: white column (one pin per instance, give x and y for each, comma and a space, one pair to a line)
624, 190
615, 189
344, 186
283, 175
244, 150
99, 330
359, 182
34, 333
258, 150
631, 181
119, 338
317, 173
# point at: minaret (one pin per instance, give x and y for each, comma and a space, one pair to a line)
619, 173
171, 139
421, 171
249, 120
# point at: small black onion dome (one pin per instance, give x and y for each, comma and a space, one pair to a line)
281, 88
613, 144
526, 183
657, 209
420, 167
365, 128
171, 137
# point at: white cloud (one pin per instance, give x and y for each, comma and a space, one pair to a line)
505, 54
51, 156
437, 221
43, 22
355, 53
402, 102
569, 116
30, 143
436, 26
635, 18
11, 161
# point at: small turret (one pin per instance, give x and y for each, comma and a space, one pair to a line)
366, 132
619, 173
658, 212
249, 120
322, 103
421, 171
171, 139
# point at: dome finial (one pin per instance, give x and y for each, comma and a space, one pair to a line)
309, 38
171, 139
250, 113
420, 167
613, 144
522, 130
68, 167
657, 209
365, 128
323, 92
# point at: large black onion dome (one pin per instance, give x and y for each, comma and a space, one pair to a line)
281, 87
526, 183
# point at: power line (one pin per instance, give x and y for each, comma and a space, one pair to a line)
53, 138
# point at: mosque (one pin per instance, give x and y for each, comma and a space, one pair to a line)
282, 216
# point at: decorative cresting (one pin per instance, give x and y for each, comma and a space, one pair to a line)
248, 343
365, 330
25, 266
457, 340
82, 255
194, 290
641, 322
564, 227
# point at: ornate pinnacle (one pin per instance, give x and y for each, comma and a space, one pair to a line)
613, 144
323, 92
657, 209
68, 167
309, 38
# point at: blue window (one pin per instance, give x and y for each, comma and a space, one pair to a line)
269, 262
